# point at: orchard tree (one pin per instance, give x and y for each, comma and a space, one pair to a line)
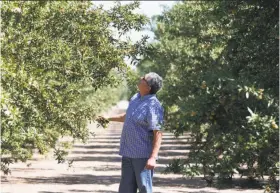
61, 63
219, 61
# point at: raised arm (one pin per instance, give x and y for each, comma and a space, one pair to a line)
117, 118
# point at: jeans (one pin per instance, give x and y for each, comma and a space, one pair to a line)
134, 175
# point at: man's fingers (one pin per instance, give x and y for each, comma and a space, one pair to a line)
148, 167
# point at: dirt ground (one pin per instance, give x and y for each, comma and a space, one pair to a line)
97, 168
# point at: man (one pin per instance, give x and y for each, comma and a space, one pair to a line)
141, 136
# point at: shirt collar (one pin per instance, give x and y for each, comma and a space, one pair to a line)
146, 96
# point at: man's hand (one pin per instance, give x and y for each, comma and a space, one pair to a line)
151, 163
102, 121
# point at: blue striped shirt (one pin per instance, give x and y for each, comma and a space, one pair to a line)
144, 114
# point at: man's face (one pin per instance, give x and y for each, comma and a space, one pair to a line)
143, 85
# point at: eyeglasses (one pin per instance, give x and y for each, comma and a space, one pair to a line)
143, 78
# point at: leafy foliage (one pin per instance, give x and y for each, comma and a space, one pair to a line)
60, 68
219, 61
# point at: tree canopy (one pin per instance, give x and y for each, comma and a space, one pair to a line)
219, 61
61, 64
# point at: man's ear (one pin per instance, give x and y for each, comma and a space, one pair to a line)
149, 90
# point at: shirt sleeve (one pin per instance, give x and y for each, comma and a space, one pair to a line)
155, 117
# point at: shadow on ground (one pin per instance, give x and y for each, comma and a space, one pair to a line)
49, 192
75, 190
239, 184
195, 183
109, 180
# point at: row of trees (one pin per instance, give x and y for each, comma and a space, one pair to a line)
219, 61
62, 64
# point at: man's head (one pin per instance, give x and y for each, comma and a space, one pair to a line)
151, 83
